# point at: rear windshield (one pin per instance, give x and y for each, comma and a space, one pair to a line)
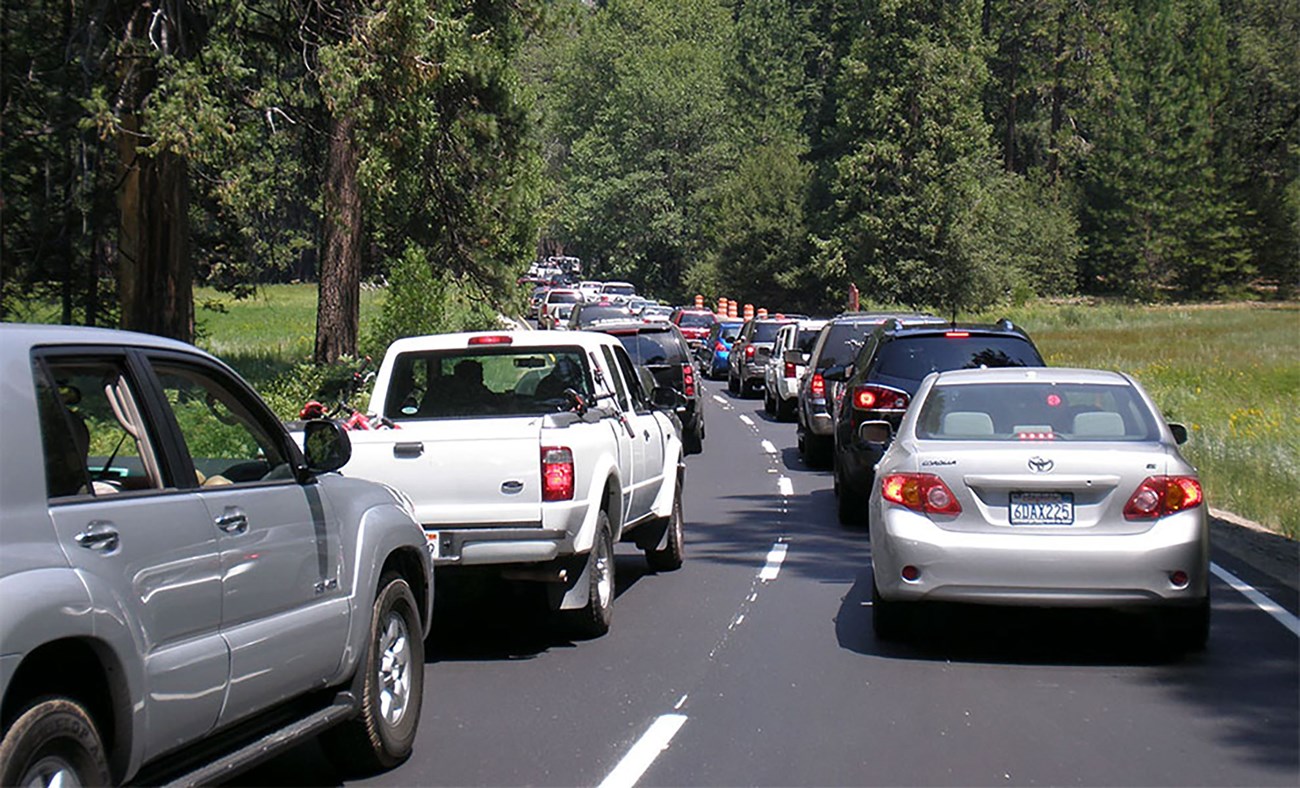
651, 348
485, 382
627, 290
765, 332
561, 298
695, 320
1036, 412
591, 314
912, 358
807, 338
843, 342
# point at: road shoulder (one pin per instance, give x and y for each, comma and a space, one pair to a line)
1269, 552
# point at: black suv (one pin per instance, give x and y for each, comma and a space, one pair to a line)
661, 348
879, 385
836, 346
750, 352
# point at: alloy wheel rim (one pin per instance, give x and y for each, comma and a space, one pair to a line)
51, 772
394, 669
604, 577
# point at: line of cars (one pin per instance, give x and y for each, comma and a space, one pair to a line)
983, 475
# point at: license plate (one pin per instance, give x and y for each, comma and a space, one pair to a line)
432, 537
1042, 508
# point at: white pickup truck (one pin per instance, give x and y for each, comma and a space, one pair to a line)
530, 453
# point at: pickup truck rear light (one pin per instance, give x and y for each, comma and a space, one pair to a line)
1158, 496
957, 334
493, 339
749, 352
557, 473
688, 380
921, 492
789, 369
817, 386
879, 398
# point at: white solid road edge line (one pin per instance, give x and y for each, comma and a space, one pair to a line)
644, 752
775, 557
1262, 602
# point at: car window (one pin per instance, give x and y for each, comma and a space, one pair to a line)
624, 399
557, 297
695, 320
473, 382
1037, 411
765, 332
807, 338
843, 341
640, 397
912, 358
226, 435
653, 347
95, 438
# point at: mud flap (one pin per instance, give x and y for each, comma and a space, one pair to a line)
573, 592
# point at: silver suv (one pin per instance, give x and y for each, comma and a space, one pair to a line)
185, 591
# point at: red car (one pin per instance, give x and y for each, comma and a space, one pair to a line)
694, 324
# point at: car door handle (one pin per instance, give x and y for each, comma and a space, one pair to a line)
647, 434
99, 535
408, 450
233, 521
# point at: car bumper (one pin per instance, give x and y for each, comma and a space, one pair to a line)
1070, 569
819, 422
485, 546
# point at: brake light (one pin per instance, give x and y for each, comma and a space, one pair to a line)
491, 339
921, 492
749, 352
957, 334
557, 473
789, 369
1036, 436
688, 380
1158, 496
817, 386
879, 398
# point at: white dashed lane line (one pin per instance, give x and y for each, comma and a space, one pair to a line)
785, 486
775, 557
720, 399
768, 447
644, 752
747, 420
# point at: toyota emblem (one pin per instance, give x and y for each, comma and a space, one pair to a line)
1040, 464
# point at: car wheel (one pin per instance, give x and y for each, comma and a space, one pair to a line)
889, 619
785, 409
392, 686
670, 557
817, 450
769, 407
733, 385
1190, 626
53, 742
693, 440
850, 506
593, 620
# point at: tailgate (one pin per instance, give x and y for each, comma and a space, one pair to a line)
473, 472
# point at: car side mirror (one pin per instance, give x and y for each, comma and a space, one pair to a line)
836, 372
1180, 433
667, 398
876, 432
325, 445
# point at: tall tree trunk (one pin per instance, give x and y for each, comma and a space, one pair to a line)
156, 280
338, 308
1058, 102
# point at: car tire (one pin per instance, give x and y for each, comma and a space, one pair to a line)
670, 557
693, 440
769, 407
733, 385
392, 687
817, 450
1189, 627
593, 619
53, 742
785, 409
889, 619
850, 506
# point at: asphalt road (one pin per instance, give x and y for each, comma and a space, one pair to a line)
754, 664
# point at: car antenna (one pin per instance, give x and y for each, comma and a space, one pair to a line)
954, 317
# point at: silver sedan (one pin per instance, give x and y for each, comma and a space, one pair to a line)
1042, 487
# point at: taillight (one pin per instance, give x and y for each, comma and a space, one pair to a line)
1036, 436
921, 492
1158, 496
879, 398
688, 380
789, 369
557, 473
749, 352
719, 347
957, 334
493, 339
817, 386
